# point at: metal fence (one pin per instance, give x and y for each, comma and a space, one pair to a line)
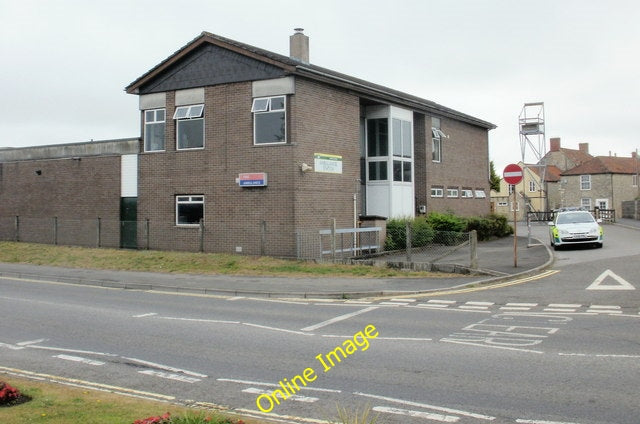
606, 215
424, 245
338, 243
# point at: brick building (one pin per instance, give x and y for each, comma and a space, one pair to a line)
257, 147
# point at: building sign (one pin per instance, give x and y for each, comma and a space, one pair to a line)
252, 179
331, 164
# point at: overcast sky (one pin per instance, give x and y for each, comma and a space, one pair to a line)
64, 63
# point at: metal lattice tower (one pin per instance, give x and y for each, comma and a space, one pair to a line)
532, 139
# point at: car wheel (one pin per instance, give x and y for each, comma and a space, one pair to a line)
556, 247
599, 245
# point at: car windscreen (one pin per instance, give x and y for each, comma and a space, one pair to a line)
575, 218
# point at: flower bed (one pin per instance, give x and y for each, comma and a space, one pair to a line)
10, 396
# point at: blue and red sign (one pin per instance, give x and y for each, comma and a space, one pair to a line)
252, 179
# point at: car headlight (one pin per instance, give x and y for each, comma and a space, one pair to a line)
563, 232
593, 232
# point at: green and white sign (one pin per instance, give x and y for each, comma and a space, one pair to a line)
331, 164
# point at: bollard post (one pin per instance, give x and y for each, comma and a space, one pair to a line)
201, 235
473, 249
55, 230
409, 241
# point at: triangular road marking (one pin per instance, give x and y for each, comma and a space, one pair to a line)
622, 284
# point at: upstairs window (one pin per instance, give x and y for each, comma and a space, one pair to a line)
437, 191
189, 127
466, 193
532, 186
269, 120
452, 192
585, 182
436, 140
154, 130
402, 150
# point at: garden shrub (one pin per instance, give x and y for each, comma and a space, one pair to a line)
421, 231
8, 394
445, 222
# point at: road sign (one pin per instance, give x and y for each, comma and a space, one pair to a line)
512, 174
619, 284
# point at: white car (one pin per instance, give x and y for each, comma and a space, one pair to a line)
575, 227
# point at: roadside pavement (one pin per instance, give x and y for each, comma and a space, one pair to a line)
495, 260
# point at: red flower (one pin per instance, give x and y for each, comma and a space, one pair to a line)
8, 393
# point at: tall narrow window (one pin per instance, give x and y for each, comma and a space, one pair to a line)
436, 140
402, 151
189, 127
532, 186
154, 130
189, 210
378, 148
269, 120
585, 182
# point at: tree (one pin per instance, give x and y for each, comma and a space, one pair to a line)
494, 179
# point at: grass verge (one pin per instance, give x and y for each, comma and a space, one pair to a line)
59, 404
187, 262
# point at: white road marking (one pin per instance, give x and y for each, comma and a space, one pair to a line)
515, 308
490, 346
212, 321
10, 346
604, 307
30, 342
338, 318
564, 305
542, 422
432, 305
60, 349
480, 303
427, 406
448, 302
79, 359
594, 355
413, 339
236, 298
418, 414
472, 307
558, 310
604, 311
297, 398
259, 383
403, 300
170, 376
284, 330
393, 303
145, 315
165, 367
361, 302
531, 305
622, 284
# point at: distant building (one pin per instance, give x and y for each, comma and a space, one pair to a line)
242, 148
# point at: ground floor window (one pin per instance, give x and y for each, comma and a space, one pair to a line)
585, 202
189, 210
437, 191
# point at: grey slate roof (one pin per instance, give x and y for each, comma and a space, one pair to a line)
294, 67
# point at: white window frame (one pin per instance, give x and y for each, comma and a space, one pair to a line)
187, 199
466, 193
532, 187
605, 201
262, 105
517, 206
189, 113
155, 121
437, 192
453, 192
503, 203
585, 182
401, 149
480, 194
585, 202
634, 180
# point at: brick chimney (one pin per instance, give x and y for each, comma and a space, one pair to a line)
554, 144
584, 147
299, 46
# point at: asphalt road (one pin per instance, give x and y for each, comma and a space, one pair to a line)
563, 348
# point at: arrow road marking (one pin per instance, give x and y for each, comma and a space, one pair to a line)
418, 414
622, 283
78, 359
170, 376
298, 398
